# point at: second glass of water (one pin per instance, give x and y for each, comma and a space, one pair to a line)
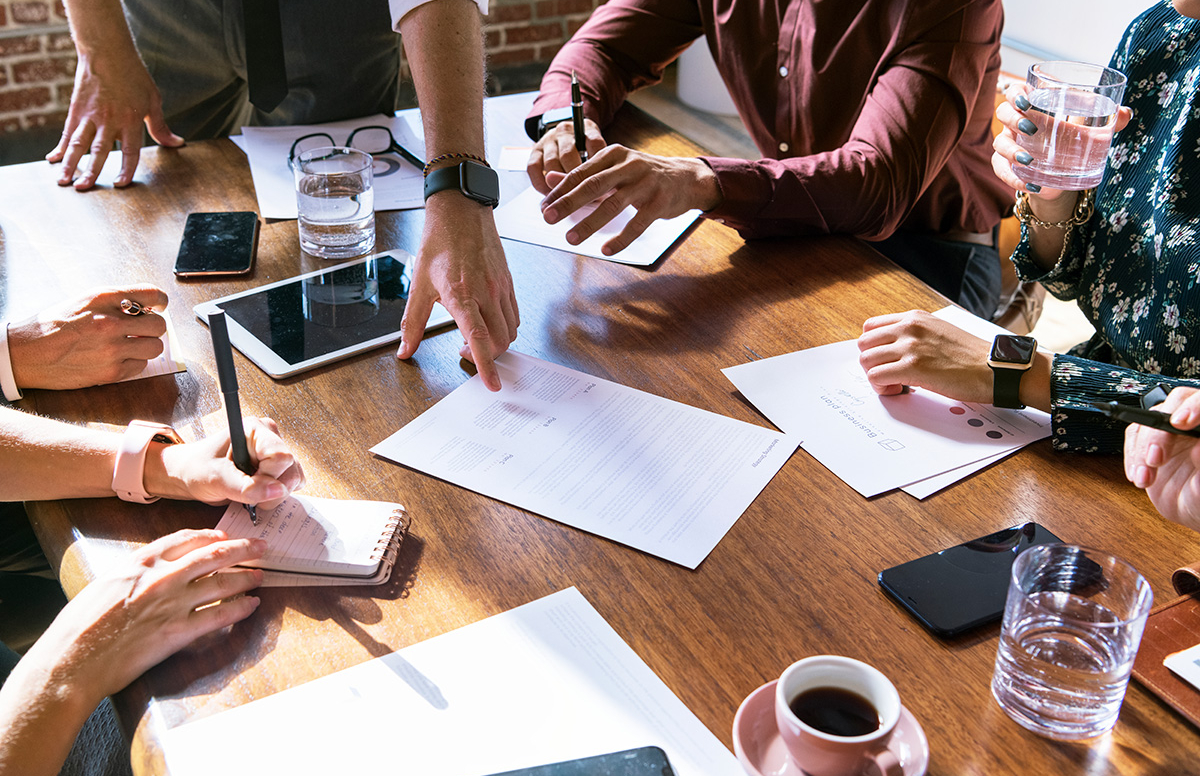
335, 198
1072, 625
1074, 107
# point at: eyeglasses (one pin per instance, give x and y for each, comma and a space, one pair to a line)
373, 140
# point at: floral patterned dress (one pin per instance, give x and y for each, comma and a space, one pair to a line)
1134, 268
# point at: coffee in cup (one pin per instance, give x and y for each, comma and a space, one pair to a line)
836, 716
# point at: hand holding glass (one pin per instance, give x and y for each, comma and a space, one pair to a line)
1074, 108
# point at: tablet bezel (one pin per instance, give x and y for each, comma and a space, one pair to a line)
267, 360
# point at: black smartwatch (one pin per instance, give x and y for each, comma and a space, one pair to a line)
536, 126
473, 180
1010, 359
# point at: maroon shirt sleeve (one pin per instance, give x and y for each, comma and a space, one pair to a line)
916, 113
624, 45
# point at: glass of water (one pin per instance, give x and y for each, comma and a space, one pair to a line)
335, 198
1072, 626
1074, 107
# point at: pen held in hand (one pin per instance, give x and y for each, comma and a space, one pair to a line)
227, 377
1151, 418
577, 118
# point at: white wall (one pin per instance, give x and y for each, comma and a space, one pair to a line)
1084, 30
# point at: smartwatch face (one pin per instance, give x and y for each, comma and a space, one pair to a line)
480, 182
1007, 349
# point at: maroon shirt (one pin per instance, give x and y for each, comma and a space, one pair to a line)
872, 115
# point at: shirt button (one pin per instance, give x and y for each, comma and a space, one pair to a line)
783, 147
783, 72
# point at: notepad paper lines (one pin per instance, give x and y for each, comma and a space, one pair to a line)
321, 541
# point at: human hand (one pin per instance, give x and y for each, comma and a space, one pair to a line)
126, 622
919, 349
1166, 465
556, 152
112, 98
204, 470
1012, 114
616, 177
87, 340
462, 265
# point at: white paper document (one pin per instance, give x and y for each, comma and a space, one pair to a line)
879, 443
521, 220
545, 682
630, 466
398, 184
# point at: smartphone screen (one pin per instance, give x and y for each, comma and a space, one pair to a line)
218, 244
954, 590
644, 761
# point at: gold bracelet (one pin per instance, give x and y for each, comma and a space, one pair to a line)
1084, 207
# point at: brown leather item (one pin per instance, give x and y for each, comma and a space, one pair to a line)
1172, 627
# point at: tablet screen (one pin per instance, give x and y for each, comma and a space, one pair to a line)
314, 316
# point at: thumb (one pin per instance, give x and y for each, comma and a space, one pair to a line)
156, 124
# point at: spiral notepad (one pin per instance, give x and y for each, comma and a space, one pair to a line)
321, 541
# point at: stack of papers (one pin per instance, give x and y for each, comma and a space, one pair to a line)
546, 682
918, 441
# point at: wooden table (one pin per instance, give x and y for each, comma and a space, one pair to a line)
794, 577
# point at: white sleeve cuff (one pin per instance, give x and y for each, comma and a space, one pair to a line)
8, 383
401, 7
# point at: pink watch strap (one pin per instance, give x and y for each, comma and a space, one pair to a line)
129, 472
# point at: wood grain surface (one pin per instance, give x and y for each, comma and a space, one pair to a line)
795, 576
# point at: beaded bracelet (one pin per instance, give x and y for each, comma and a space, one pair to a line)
446, 157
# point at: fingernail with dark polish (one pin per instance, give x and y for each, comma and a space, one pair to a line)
1033, 187
1023, 157
1027, 126
1021, 102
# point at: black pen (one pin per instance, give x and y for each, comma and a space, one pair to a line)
1151, 418
227, 377
577, 117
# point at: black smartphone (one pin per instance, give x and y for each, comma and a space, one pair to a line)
643, 761
955, 590
218, 244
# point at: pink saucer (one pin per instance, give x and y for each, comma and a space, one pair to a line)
761, 752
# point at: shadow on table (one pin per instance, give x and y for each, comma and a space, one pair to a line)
665, 311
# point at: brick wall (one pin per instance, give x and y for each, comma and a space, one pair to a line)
37, 65
37, 62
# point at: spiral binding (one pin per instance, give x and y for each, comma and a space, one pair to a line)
395, 530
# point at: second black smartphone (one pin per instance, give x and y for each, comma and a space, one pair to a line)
644, 761
963, 587
218, 244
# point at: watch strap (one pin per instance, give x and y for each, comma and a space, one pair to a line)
1006, 387
130, 469
8, 383
453, 178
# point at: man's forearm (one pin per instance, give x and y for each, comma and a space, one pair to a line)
99, 27
44, 459
443, 42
